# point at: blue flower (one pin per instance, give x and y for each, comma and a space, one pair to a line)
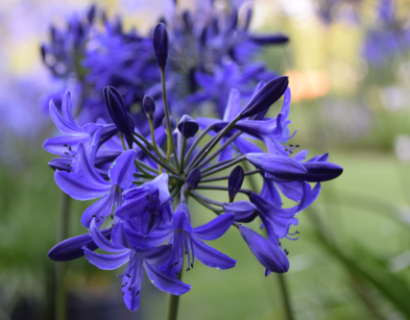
269, 254
188, 240
138, 260
90, 185
147, 206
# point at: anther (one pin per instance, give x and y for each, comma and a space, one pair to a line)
192, 265
297, 146
123, 293
291, 145
175, 263
66, 153
137, 293
129, 289
65, 145
128, 275
112, 216
69, 148
188, 269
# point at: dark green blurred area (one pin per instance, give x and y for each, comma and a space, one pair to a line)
352, 259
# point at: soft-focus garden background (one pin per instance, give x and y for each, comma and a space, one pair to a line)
350, 80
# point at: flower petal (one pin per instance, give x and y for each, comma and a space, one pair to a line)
72, 248
122, 169
132, 281
60, 145
79, 188
100, 209
215, 228
165, 282
106, 261
133, 207
267, 253
65, 125
158, 255
101, 241
118, 236
281, 168
211, 257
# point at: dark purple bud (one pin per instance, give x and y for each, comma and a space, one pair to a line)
243, 211
318, 171
193, 178
91, 14
187, 18
149, 107
235, 181
265, 97
71, 248
188, 126
118, 112
172, 123
269, 39
160, 42
268, 254
281, 168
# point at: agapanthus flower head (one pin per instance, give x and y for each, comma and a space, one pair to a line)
144, 186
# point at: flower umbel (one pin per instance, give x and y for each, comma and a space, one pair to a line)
145, 185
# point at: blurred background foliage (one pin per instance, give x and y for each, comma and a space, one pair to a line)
350, 91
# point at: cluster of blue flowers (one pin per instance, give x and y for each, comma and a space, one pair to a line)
209, 54
143, 180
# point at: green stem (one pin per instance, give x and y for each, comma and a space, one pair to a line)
149, 154
207, 205
166, 110
197, 140
203, 198
212, 143
222, 167
173, 306
220, 149
285, 296
60, 311
244, 191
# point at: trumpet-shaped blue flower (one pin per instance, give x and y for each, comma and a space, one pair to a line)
186, 239
147, 206
90, 185
138, 260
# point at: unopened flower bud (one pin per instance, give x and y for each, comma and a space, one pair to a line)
72, 248
118, 112
265, 97
188, 126
318, 171
160, 42
281, 168
193, 178
235, 181
149, 107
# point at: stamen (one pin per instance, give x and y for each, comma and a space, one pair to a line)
128, 275
137, 293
